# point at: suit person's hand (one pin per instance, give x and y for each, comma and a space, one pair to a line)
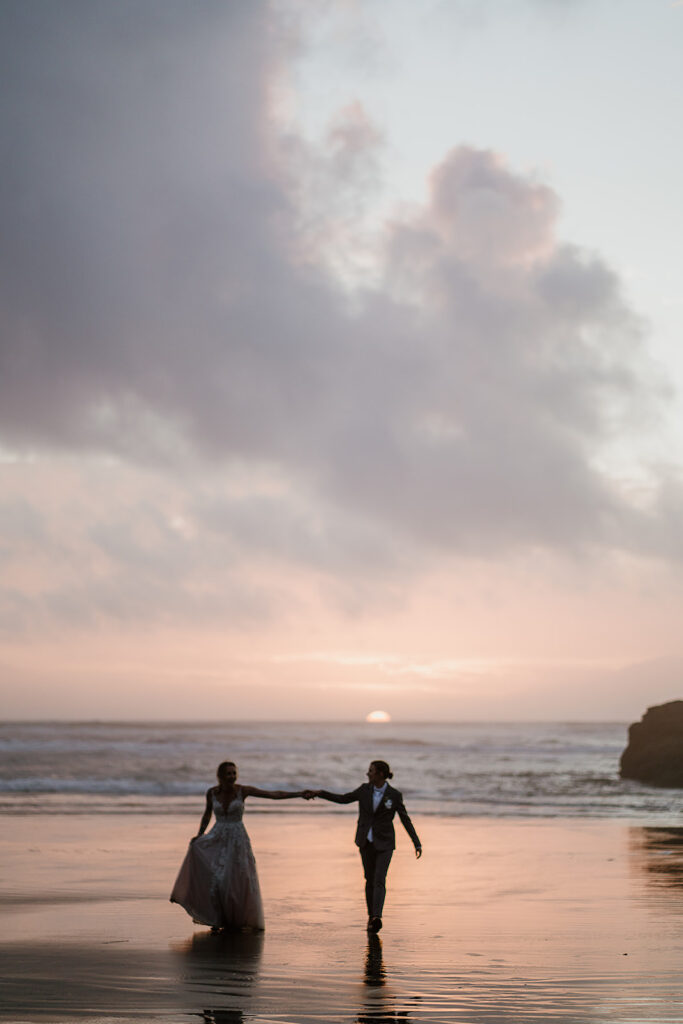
418, 852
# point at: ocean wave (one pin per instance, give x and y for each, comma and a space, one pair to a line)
116, 786
452, 769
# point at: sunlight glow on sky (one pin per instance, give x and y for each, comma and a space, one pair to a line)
378, 716
340, 359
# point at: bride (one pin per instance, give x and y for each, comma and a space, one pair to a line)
217, 883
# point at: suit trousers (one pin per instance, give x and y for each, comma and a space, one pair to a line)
375, 866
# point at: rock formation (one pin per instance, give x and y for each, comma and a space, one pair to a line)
655, 747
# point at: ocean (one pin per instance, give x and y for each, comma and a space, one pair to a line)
551, 769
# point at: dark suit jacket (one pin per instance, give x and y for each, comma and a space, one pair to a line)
381, 820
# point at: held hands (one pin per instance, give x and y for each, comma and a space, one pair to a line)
310, 794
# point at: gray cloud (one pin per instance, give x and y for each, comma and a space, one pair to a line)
133, 208
155, 302
97, 558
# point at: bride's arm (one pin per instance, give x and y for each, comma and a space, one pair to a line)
271, 794
206, 816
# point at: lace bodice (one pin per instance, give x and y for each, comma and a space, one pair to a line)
233, 814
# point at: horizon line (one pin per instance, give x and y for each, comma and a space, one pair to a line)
313, 721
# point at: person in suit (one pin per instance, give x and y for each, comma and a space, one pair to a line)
378, 802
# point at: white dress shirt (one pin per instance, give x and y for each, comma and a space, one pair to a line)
377, 797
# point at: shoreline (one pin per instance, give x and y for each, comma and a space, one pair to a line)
560, 920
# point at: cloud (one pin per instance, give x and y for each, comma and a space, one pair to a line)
162, 299
134, 205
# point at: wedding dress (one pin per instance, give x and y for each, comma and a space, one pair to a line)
217, 883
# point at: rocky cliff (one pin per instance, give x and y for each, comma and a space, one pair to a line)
655, 747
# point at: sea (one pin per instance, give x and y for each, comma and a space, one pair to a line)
511, 769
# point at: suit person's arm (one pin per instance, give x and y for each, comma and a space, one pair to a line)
339, 798
409, 827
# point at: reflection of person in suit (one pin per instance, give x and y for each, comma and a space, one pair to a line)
375, 973
380, 1005
378, 802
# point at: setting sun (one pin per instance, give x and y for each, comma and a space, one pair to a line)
378, 716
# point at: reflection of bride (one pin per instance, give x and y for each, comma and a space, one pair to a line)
219, 972
217, 883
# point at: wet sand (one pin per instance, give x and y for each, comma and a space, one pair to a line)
546, 920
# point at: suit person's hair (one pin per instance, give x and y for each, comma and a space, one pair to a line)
384, 768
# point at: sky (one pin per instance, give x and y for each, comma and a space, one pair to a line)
340, 361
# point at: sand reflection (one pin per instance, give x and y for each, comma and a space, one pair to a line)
222, 1016
379, 1005
218, 973
658, 854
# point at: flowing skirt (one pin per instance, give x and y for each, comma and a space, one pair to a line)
217, 883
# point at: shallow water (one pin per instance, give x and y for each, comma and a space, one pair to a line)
544, 921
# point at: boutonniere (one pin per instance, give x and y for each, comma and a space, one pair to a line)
387, 803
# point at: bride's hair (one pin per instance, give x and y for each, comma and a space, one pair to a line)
384, 768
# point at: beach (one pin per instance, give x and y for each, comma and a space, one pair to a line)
535, 920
